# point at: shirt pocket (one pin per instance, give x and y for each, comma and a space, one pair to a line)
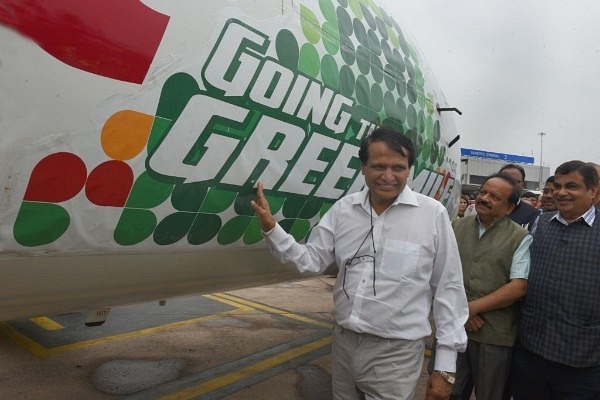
400, 260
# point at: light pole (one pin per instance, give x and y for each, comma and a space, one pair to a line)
542, 134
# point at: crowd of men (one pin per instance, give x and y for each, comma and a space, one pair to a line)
513, 288
555, 348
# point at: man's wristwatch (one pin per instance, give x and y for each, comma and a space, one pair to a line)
449, 377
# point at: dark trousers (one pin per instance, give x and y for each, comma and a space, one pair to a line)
533, 377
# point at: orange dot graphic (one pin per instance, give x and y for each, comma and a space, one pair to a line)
125, 134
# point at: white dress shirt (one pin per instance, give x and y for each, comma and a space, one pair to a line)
390, 289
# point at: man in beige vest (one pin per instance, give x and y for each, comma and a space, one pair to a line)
494, 253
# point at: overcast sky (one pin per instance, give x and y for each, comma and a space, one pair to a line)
515, 69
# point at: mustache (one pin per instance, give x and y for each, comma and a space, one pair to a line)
483, 204
563, 198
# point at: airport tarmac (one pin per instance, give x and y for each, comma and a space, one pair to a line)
270, 342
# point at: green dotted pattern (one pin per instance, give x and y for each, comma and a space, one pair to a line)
378, 68
354, 48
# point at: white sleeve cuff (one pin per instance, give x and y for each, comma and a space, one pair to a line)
276, 235
445, 359
268, 233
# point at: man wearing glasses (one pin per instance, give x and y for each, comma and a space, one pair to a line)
397, 259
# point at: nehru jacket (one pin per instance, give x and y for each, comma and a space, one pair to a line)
561, 313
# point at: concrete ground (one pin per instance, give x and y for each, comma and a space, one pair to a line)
270, 342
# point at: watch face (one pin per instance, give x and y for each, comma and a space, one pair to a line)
447, 377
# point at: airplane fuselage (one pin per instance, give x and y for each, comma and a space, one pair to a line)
132, 135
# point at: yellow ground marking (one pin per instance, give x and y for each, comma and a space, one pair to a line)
243, 302
47, 323
40, 351
239, 302
21, 340
241, 306
243, 373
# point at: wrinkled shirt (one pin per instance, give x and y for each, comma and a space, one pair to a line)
393, 268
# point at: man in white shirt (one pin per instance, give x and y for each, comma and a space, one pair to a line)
398, 258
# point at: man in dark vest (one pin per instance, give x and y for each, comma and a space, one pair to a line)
494, 252
523, 214
558, 355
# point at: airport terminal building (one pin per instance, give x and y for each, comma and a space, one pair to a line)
477, 164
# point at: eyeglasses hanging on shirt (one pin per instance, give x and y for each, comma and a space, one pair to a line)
362, 259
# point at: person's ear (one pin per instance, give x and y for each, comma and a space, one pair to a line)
510, 209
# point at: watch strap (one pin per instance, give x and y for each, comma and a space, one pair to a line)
449, 377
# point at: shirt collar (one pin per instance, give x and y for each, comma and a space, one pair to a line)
480, 228
588, 217
483, 228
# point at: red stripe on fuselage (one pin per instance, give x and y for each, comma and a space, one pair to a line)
113, 38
